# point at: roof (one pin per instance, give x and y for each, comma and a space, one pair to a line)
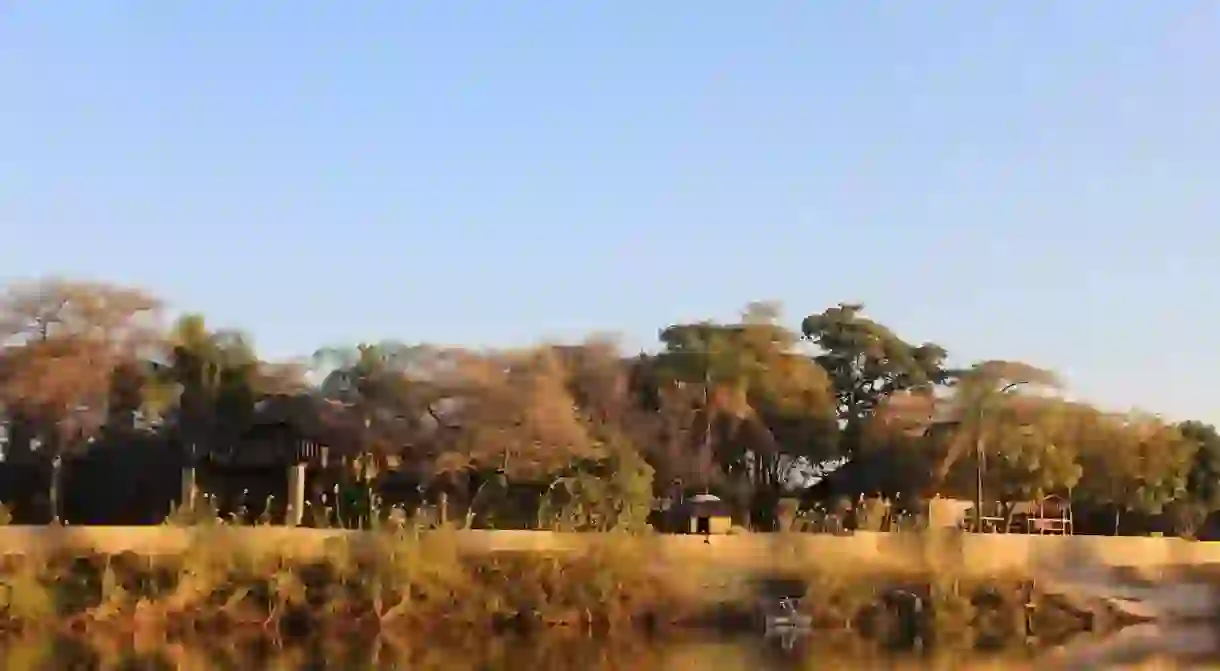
704, 505
290, 428
864, 474
313, 417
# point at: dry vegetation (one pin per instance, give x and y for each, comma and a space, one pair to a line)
554, 652
403, 580
409, 583
388, 580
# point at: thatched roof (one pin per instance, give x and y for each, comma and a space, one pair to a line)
287, 428
340, 426
308, 413
864, 474
704, 505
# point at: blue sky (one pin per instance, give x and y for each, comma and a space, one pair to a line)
1023, 180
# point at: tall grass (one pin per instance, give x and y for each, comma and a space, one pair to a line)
400, 578
384, 579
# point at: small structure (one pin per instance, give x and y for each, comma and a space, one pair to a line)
286, 435
702, 514
1049, 515
946, 513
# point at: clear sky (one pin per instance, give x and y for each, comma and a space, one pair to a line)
1030, 180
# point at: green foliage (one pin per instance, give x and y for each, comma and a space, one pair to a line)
1203, 482
1202, 496
1025, 464
867, 362
370, 376
986, 404
749, 408
771, 404
215, 373
1135, 463
631, 489
612, 495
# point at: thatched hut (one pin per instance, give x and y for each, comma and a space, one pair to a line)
701, 514
289, 442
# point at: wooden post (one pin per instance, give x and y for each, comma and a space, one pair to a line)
296, 495
54, 495
190, 490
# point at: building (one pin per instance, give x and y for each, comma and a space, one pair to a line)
701, 514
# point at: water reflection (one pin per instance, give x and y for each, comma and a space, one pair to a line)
1143, 648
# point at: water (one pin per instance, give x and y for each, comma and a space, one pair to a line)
1145, 647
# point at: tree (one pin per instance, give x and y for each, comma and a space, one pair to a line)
1024, 459
214, 373
764, 407
614, 493
514, 412
627, 400
666, 426
891, 460
773, 405
866, 363
65, 342
984, 399
1134, 463
598, 378
400, 400
738, 407
1202, 495
128, 382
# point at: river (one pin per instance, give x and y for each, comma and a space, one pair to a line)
1143, 647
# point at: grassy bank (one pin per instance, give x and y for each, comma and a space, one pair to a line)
555, 651
407, 581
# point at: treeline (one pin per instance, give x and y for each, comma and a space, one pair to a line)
751, 410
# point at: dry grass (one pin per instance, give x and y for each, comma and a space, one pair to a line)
405, 580
116, 651
926, 597
388, 579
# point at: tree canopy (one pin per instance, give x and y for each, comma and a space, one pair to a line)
748, 408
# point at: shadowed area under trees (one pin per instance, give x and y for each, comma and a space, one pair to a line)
104, 404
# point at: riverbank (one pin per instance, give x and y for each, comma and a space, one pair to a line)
225, 579
1144, 646
968, 554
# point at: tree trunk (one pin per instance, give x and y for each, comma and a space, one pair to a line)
296, 496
